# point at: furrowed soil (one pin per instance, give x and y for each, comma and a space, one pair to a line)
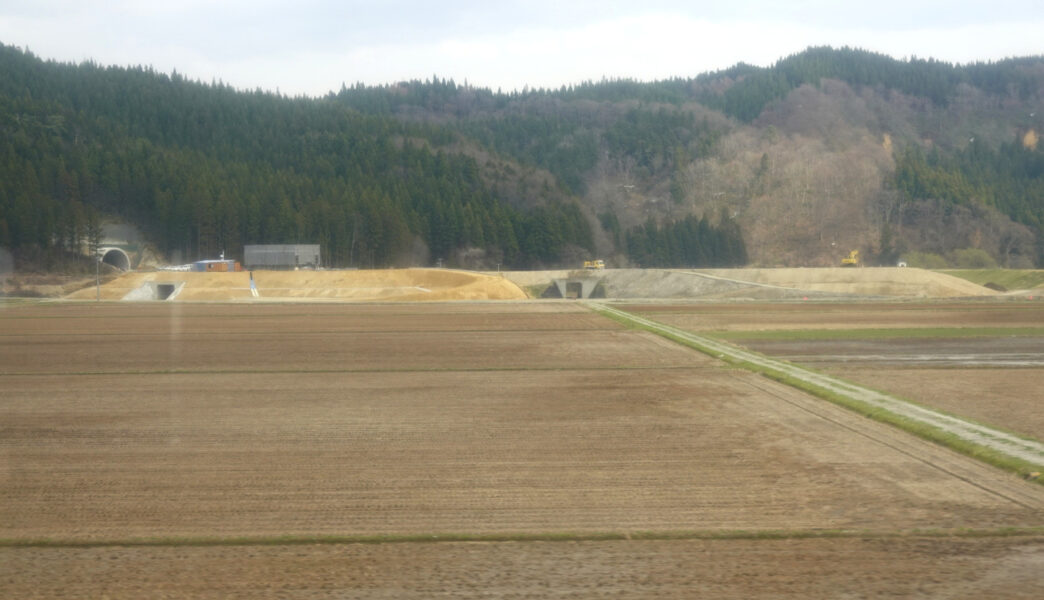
168, 422
798, 569
1007, 398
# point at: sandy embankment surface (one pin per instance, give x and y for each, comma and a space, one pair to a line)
765, 284
413, 285
880, 281
417, 285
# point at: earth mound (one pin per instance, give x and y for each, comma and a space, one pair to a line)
404, 285
874, 281
767, 284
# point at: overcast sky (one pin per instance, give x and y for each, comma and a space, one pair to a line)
310, 47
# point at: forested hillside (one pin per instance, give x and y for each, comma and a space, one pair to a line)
203, 168
794, 164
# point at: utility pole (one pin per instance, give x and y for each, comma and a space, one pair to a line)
97, 276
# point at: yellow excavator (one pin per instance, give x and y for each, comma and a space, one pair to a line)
852, 260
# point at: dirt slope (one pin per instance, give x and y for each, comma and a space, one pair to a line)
443, 284
383, 285
767, 284
878, 281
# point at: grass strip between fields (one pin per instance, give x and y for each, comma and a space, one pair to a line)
556, 536
921, 429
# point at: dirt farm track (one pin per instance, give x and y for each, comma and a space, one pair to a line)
319, 450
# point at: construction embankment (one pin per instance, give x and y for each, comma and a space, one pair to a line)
763, 284
403, 285
418, 285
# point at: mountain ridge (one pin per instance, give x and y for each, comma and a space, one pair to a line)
795, 163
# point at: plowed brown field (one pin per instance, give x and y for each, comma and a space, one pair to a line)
1008, 398
175, 422
842, 315
993, 379
794, 569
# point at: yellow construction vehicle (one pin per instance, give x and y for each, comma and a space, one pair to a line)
594, 264
852, 260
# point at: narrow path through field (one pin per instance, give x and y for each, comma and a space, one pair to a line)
1010, 445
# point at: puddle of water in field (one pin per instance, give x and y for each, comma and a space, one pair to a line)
936, 360
969, 352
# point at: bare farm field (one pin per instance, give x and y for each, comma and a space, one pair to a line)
981, 360
790, 569
321, 451
1006, 397
788, 316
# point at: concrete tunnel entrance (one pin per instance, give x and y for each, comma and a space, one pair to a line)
115, 257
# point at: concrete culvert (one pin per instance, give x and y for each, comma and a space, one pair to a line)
575, 287
115, 257
153, 290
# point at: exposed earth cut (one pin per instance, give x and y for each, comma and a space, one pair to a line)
372, 285
418, 285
